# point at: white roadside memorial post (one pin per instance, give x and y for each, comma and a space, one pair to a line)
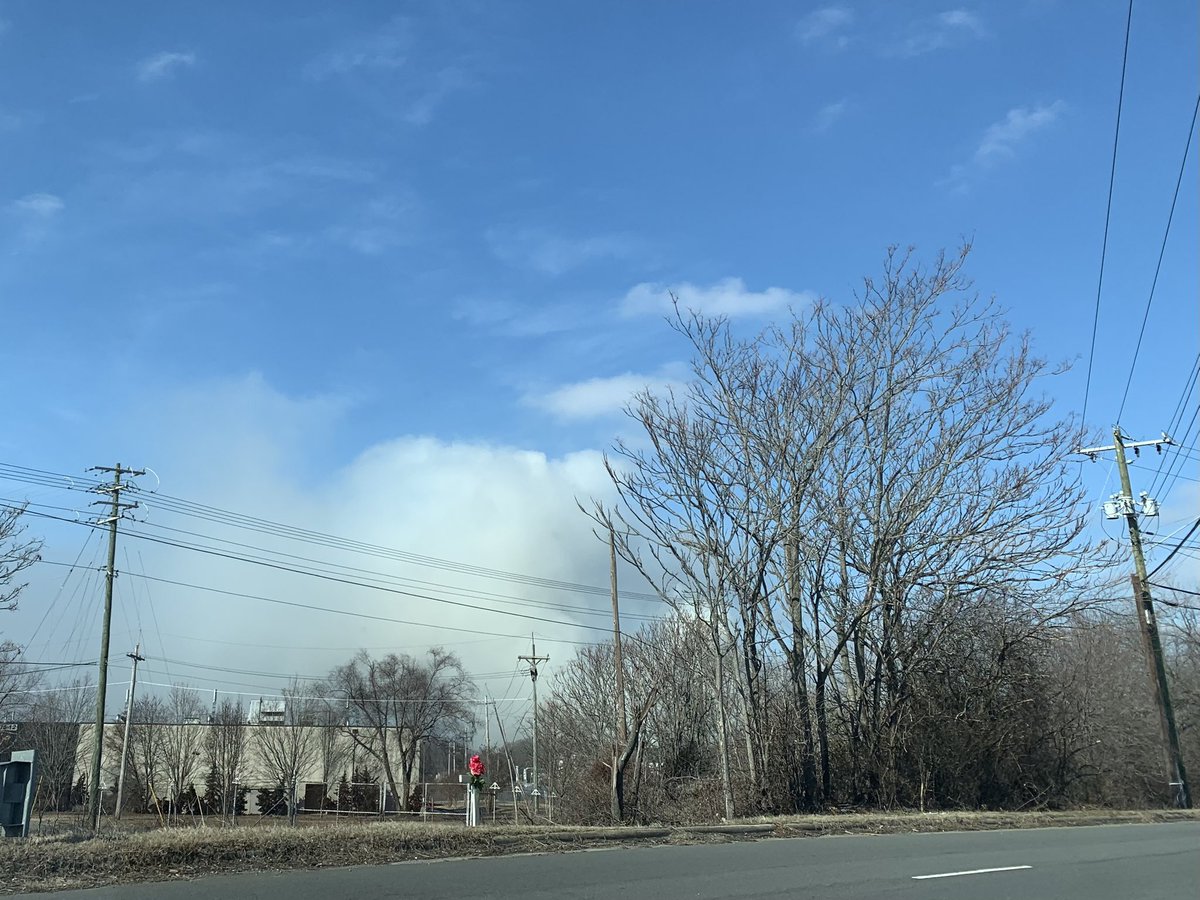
474, 790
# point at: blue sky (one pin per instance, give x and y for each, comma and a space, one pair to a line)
395, 267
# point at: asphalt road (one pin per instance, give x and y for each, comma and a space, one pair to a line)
1126, 862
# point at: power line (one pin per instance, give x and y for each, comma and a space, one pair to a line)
62, 587
1178, 589
182, 506
326, 699
48, 663
1162, 250
1178, 547
260, 646
1177, 417
324, 576
454, 590
374, 575
266, 526
336, 579
332, 610
1112, 177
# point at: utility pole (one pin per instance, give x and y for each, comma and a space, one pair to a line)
1123, 505
622, 716
116, 510
137, 657
487, 731
533, 659
620, 747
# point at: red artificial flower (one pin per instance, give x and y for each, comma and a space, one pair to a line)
476, 766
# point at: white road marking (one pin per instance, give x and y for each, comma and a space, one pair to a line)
970, 872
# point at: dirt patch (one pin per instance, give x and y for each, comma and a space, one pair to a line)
74, 860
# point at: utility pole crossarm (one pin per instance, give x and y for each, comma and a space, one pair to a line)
1130, 445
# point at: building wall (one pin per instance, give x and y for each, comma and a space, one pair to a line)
253, 771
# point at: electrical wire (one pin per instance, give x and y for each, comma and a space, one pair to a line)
62, 587
323, 576
334, 579
1162, 250
332, 610
1112, 177
1167, 587
181, 506
1177, 417
373, 575
1178, 547
1175, 469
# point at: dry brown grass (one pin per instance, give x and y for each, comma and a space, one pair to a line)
891, 823
73, 859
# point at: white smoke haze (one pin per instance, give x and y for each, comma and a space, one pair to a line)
242, 446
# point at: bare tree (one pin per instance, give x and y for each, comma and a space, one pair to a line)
707, 506
182, 742
17, 554
17, 683
52, 729
832, 497
334, 744
225, 741
398, 702
288, 749
148, 752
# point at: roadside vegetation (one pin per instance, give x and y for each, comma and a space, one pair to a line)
75, 859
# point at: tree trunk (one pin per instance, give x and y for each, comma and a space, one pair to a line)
808, 779
723, 730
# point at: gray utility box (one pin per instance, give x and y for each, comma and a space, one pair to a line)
18, 783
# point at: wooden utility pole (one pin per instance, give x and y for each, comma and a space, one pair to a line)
620, 755
533, 659
137, 657
622, 716
1122, 504
116, 510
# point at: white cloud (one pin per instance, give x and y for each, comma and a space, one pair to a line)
384, 224
598, 397
728, 297
510, 319
163, 65
448, 81
401, 70
1001, 141
39, 206
388, 48
963, 19
826, 25
946, 29
552, 254
828, 115
1002, 138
